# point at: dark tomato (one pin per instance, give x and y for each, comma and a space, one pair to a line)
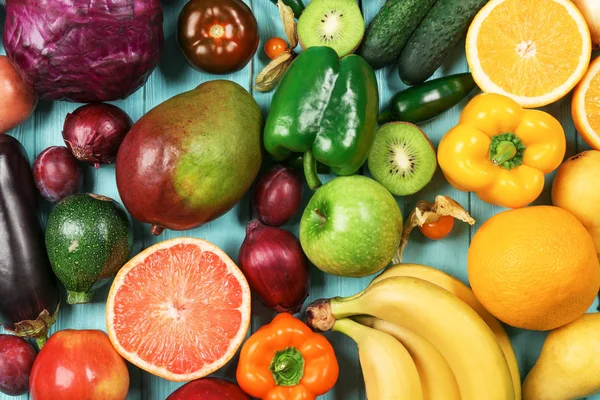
438, 229
217, 36
16, 359
275, 47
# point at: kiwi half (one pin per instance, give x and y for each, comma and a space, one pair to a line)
402, 159
334, 23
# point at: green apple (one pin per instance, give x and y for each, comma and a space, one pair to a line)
351, 227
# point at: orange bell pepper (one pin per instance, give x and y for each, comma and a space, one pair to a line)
285, 360
501, 151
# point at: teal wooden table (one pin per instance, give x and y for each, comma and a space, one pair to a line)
174, 76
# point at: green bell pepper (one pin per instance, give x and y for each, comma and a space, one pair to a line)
327, 109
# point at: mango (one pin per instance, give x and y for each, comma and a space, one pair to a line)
190, 159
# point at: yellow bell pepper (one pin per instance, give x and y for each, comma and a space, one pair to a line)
501, 151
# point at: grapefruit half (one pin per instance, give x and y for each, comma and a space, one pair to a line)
179, 310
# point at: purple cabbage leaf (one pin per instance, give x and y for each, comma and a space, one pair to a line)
84, 50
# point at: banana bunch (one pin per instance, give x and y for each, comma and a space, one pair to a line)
422, 334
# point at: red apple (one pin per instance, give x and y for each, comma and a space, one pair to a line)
209, 389
76, 365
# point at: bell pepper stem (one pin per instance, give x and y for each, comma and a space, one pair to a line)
287, 367
507, 150
504, 152
310, 171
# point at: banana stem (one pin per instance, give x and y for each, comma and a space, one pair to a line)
319, 317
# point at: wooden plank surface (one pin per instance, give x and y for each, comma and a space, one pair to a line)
174, 76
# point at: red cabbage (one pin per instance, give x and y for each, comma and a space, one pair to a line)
84, 50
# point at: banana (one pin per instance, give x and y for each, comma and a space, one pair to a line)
450, 325
464, 293
388, 370
437, 379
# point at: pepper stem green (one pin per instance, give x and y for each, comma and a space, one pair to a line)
506, 151
287, 367
310, 171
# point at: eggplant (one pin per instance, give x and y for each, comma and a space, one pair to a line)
29, 298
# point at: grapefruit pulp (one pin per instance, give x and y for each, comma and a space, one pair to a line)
179, 310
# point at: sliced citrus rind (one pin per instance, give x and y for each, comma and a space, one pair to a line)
534, 51
179, 310
585, 107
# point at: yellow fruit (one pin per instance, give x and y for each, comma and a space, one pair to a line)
437, 379
568, 366
585, 107
452, 327
388, 370
534, 268
576, 188
534, 51
462, 291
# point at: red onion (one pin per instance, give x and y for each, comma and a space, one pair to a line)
275, 266
94, 132
16, 360
278, 195
56, 173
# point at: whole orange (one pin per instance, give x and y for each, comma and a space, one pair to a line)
534, 268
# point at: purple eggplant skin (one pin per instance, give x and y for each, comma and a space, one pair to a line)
29, 297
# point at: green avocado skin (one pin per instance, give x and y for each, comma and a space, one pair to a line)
88, 238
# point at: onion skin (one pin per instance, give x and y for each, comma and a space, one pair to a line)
278, 195
275, 265
94, 132
16, 360
57, 174
591, 12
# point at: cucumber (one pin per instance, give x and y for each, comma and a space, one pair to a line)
88, 238
437, 35
390, 30
423, 102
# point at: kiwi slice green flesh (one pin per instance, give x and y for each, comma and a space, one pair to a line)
334, 23
402, 158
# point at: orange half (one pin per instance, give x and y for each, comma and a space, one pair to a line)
179, 310
586, 106
534, 51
